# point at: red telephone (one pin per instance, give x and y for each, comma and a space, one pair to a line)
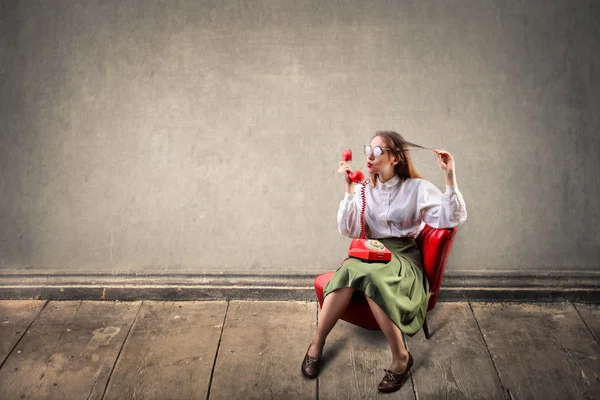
369, 250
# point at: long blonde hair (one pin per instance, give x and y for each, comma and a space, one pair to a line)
405, 168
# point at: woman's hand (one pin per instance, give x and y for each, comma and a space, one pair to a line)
343, 170
446, 163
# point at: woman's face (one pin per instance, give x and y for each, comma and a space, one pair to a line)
385, 162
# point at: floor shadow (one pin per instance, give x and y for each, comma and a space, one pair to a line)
371, 336
331, 351
434, 324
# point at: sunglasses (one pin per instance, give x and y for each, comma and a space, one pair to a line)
377, 150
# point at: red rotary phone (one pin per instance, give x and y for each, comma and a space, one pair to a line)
369, 250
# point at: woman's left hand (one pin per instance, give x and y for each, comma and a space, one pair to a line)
446, 163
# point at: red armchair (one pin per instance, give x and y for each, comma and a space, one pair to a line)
435, 246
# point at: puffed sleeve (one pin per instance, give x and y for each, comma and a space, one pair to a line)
348, 216
441, 210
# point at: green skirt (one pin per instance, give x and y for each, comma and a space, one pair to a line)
399, 287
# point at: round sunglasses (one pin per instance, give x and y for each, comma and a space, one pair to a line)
377, 150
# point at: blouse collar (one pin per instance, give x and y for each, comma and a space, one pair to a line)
389, 184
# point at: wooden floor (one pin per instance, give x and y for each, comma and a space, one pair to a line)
253, 350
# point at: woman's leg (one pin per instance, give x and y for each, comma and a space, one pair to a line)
334, 306
393, 334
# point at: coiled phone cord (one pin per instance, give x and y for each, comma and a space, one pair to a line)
362, 210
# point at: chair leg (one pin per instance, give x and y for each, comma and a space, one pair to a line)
426, 328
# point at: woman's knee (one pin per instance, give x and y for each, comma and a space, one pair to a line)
343, 291
340, 292
374, 279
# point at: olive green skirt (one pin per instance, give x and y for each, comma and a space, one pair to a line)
399, 287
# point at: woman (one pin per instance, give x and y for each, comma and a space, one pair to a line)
398, 204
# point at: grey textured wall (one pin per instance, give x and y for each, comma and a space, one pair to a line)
204, 136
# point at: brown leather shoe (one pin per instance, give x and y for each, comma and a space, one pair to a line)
311, 365
392, 381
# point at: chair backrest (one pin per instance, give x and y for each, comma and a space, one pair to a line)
435, 245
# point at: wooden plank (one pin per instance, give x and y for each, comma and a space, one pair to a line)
454, 363
15, 317
70, 353
541, 351
354, 362
170, 351
86, 353
591, 315
261, 351
25, 367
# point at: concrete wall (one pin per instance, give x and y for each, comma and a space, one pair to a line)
204, 136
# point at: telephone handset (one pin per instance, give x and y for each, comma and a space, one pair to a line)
356, 176
369, 250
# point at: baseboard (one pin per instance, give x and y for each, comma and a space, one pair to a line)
543, 286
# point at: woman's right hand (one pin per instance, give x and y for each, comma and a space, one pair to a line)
343, 170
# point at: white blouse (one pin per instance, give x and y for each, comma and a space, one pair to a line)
401, 208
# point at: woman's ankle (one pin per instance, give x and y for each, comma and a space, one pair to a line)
399, 363
316, 347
